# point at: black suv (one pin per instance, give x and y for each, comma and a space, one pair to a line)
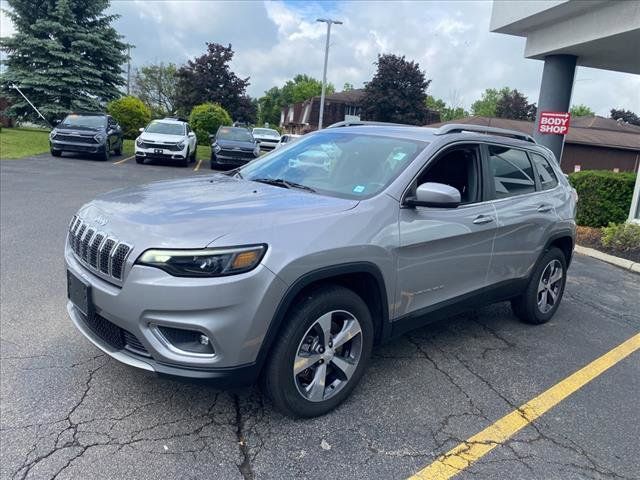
232, 147
94, 133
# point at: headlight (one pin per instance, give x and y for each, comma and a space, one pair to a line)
100, 137
216, 147
256, 151
53, 134
139, 142
180, 145
208, 262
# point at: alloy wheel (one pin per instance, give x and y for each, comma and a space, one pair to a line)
549, 286
328, 355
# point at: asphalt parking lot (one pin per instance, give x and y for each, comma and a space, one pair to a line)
68, 411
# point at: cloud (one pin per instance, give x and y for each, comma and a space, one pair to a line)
273, 41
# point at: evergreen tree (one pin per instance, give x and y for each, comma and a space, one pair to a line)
64, 56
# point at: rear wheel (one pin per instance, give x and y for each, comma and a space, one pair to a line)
543, 294
321, 354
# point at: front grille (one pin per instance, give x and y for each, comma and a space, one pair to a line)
172, 146
96, 250
236, 153
116, 337
74, 138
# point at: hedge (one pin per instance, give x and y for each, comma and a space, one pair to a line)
131, 114
205, 120
604, 197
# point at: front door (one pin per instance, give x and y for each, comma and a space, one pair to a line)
444, 253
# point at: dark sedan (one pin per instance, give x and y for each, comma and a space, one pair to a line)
232, 147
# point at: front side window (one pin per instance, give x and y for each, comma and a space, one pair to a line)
348, 165
511, 170
546, 175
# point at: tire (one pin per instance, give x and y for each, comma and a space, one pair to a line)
343, 311
214, 165
56, 153
193, 155
106, 154
187, 159
140, 160
118, 151
543, 294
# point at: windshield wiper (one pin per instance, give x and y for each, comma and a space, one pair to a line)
281, 182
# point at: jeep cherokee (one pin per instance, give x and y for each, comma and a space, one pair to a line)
291, 268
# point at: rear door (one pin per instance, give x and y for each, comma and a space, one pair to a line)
444, 253
525, 212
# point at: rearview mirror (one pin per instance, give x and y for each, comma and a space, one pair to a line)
437, 195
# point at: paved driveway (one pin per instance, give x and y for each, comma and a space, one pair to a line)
68, 411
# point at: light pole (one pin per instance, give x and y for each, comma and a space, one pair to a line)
328, 21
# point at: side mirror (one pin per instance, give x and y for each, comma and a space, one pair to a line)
57, 122
141, 129
436, 195
212, 137
191, 134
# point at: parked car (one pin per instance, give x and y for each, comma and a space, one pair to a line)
232, 147
268, 138
286, 139
93, 133
167, 139
291, 271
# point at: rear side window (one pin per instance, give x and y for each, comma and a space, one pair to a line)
511, 170
546, 175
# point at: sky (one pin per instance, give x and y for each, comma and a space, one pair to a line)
275, 40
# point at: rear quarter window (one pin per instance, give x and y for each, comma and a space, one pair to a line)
511, 170
545, 172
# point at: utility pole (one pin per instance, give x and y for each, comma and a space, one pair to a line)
329, 22
129, 70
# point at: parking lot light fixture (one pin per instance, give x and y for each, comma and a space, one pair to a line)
329, 22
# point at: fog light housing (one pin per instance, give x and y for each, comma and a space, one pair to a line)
187, 341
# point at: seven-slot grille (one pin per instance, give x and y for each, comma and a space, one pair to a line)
166, 146
96, 250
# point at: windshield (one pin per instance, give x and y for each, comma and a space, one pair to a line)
351, 165
265, 132
84, 121
236, 134
165, 128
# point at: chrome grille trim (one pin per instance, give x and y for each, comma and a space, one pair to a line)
104, 255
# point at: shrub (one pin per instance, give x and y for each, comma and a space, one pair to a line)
603, 197
130, 113
206, 118
621, 236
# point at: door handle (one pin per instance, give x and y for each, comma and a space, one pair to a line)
480, 219
545, 208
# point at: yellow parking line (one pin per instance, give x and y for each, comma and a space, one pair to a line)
466, 453
123, 160
197, 167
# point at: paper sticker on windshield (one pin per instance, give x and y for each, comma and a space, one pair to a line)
358, 189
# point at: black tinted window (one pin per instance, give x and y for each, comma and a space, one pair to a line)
546, 175
511, 170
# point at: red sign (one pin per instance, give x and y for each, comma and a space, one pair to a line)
554, 122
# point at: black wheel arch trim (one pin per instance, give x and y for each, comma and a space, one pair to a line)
319, 275
556, 236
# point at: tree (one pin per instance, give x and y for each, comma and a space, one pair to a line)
209, 78
131, 113
397, 92
581, 111
486, 105
626, 116
347, 87
269, 107
247, 110
65, 56
447, 113
513, 104
303, 87
155, 85
205, 119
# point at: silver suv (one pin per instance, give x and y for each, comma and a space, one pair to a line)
291, 268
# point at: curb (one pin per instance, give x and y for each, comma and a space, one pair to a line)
605, 257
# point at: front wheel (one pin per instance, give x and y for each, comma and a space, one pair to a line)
214, 165
118, 150
543, 294
56, 153
321, 353
193, 154
106, 154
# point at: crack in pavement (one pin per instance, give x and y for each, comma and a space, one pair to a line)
245, 468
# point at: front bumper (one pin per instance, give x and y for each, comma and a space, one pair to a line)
77, 147
234, 312
267, 145
160, 154
235, 159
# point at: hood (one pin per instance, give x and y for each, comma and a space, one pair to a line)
161, 137
229, 144
194, 212
77, 130
267, 138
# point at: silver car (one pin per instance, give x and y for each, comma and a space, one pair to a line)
293, 267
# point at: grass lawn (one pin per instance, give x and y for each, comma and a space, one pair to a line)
23, 142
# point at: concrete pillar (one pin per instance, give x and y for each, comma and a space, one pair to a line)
555, 96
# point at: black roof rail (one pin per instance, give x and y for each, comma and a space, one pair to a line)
463, 127
179, 119
357, 123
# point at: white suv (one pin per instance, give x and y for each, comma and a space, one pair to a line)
167, 139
